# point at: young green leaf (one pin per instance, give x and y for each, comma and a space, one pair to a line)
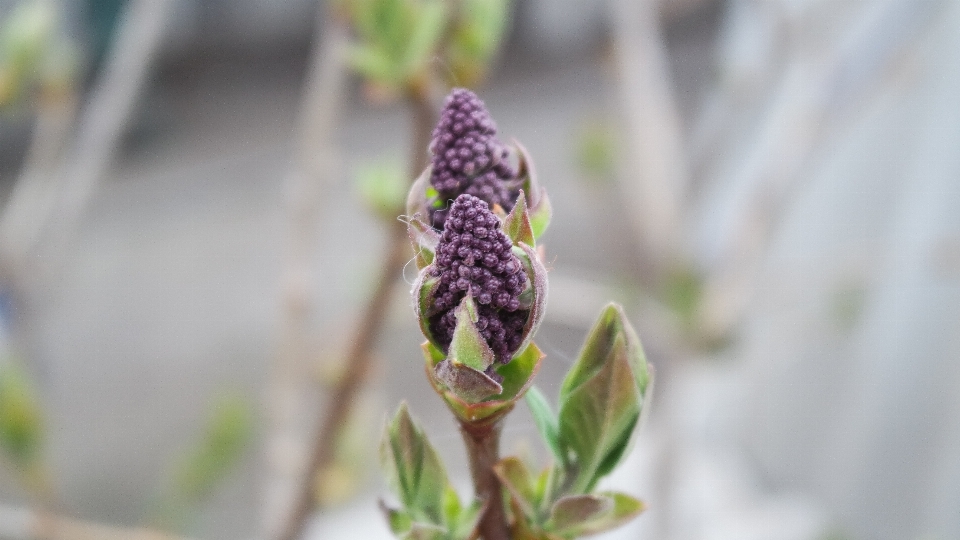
514, 476
582, 515
571, 511
413, 469
546, 421
21, 420
601, 399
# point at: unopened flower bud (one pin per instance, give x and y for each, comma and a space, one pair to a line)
468, 157
485, 268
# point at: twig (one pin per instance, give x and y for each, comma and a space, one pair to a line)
103, 121
21, 523
658, 175
483, 451
359, 358
314, 164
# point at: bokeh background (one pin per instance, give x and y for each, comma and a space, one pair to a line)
189, 234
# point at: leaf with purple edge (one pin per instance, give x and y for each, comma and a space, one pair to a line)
424, 289
622, 509
515, 476
469, 384
517, 223
537, 276
597, 417
570, 512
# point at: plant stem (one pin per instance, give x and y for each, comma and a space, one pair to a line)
359, 359
483, 451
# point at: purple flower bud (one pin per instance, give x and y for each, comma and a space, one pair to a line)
468, 157
497, 290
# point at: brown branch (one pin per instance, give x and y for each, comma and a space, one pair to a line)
313, 167
483, 451
359, 359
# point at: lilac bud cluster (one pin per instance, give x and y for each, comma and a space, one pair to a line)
475, 255
468, 157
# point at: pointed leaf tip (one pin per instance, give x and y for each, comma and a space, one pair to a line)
413, 468
517, 223
467, 345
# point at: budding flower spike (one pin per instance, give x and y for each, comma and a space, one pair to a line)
468, 158
474, 217
478, 303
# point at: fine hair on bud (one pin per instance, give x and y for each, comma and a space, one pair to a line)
468, 158
475, 256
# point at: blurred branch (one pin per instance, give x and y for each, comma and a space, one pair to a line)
102, 124
814, 87
358, 360
656, 180
20, 523
314, 165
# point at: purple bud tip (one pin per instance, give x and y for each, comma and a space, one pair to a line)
484, 265
468, 157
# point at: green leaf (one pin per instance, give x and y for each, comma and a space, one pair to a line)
514, 476
383, 186
373, 62
597, 350
540, 209
425, 531
21, 419
398, 520
569, 512
413, 469
540, 215
467, 345
424, 288
601, 398
466, 523
517, 224
581, 515
424, 36
546, 421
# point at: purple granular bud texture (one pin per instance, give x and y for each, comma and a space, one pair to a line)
475, 255
468, 157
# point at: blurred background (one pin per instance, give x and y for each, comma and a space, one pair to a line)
198, 195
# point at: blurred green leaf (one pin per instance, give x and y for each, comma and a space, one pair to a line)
21, 419
596, 150
383, 187
478, 34
397, 38
24, 39
211, 458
